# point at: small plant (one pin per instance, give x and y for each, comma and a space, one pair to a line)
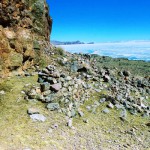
59, 51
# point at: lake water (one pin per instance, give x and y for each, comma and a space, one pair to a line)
132, 50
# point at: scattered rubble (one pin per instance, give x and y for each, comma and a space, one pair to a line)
66, 93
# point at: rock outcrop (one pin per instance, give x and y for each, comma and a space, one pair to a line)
25, 28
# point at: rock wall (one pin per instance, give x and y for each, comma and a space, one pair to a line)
25, 28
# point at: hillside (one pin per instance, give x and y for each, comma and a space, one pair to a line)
53, 100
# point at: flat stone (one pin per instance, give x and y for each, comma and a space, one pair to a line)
51, 67
47, 92
102, 100
38, 117
32, 94
73, 113
96, 103
119, 97
119, 106
97, 90
55, 74
27, 149
50, 130
123, 115
45, 71
69, 123
81, 114
110, 105
88, 108
74, 66
68, 78
106, 111
51, 80
49, 98
53, 106
42, 74
56, 87
23, 92
31, 111
85, 120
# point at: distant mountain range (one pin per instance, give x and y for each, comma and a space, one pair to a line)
69, 42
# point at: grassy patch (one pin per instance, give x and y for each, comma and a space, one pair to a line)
59, 51
18, 131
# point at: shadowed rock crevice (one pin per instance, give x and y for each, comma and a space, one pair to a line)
4, 23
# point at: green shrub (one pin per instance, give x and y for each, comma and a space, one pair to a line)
59, 51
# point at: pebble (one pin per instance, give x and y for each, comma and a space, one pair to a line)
88, 108
50, 130
69, 123
110, 105
68, 78
2, 92
102, 100
81, 114
85, 120
106, 111
55, 126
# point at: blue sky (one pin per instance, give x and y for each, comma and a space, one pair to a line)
100, 20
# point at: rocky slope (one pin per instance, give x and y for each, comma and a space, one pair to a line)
67, 88
25, 28
75, 103
79, 101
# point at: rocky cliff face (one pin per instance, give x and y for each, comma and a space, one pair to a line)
25, 28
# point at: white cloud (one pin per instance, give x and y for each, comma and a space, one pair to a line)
131, 49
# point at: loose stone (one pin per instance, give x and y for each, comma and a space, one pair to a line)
38, 117
53, 106
31, 111
106, 111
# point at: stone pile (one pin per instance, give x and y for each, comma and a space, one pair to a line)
124, 90
66, 93
61, 92
127, 93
